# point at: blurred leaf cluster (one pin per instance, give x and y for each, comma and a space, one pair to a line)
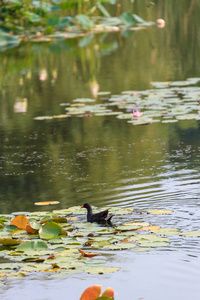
23, 17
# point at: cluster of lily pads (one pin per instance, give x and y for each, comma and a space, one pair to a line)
62, 243
168, 102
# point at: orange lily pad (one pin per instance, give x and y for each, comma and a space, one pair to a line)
109, 292
151, 228
92, 292
47, 203
159, 212
88, 254
20, 222
29, 229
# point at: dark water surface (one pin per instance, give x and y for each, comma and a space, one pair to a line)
103, 160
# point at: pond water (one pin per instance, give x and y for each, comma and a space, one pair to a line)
101, 159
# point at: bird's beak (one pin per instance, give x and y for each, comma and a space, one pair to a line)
82, 206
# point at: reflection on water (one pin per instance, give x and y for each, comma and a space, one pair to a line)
103, 160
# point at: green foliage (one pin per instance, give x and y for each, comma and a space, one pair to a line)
20, 17
128, 19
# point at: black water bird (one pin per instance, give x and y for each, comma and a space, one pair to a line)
100, 217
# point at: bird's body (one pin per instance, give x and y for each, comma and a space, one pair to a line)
99, 217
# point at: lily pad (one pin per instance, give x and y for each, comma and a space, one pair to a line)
166, 231
50, 230
120, 246
159, 212
128, 227
101, 270
7, 241
84, 100
190, 234
47, 203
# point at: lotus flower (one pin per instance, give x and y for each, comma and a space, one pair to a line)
160, 23
137, 113
43, 75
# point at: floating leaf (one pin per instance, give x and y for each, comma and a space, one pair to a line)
101, 270
84, 100
50, 230
92, 292
26, 246
128, 227
20, 222
40, 118
47, 203
121, 246
109, 292
6, 241
120, 211
166, 231
159, 212
142, 249
57, 220
103, 93
125, 116
30, 230
88, 254
190, 234
151, 228
153, 243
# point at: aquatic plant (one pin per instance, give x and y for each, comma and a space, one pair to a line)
22, 20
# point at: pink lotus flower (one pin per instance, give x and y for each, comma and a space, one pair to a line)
137, 113
43, 75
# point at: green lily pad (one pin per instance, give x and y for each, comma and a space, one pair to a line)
125, 116
190, 234
7, 241
188, 117
103, 93
100, 244
111, 113
29, 246
120, 246
128, 227
166, 231
10, 266
101, 270
26, 246
50, 230
120, 211
159, 212
153, 244
141, 121
84, 100
142, 249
